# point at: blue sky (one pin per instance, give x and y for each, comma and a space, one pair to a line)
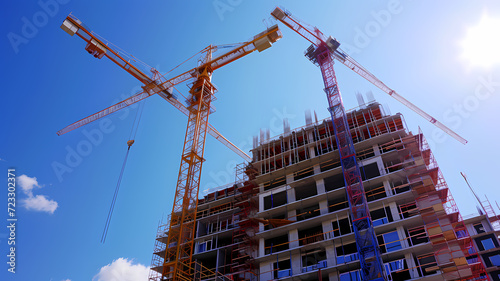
50, 81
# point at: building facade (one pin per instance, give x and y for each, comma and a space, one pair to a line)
287, 217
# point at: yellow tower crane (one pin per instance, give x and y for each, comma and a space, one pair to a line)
178, 257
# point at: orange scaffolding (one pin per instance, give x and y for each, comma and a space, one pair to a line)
454, 251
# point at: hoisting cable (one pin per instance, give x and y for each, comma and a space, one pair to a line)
113, 201
130, 142
135, 126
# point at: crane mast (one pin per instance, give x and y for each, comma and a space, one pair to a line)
320, 53
366, 240
182, 227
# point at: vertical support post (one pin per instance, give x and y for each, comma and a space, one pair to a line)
366, 240
181, 234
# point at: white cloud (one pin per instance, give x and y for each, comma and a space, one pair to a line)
122, 270
27, 184
40, 203
66, 280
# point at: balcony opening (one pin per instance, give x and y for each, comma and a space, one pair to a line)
305, 191
313, 259
400, 186
275, 200
479, 228
275, 183
311, 235
282, 269
365, 154
338, 204
427, 264
408, 210
342, 227
276, 244
347, 253
389, 242
417, 236
375, 192
328, 165
381, 216
334, 182
303, 174
369, 171
397, 270
486, 242
308, 212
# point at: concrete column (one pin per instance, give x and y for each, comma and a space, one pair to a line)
317, 169
262, 247
376, 151
394, 211
333, 276
310, 139
311, 152
327, 228
289, 178
330, 255
401, 233
292, 215
293, 237
261, 203
323, 207
470, 229
261, 187
290, 194
411, 264
380, 165
261, 227
486, 225
320, 185
296, 264
388, 189
266, 271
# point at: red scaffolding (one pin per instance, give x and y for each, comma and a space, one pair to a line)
454, 251
244, 244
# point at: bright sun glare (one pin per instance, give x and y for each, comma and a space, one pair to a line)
481, 46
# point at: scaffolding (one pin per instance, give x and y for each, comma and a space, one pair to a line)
491, 214
310, 141
243, 241
158, 258
454, 252
411, 167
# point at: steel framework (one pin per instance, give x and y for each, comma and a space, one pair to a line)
366, 240
179, 246
321, 53
178, 256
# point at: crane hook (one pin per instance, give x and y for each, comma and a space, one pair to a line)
130, 143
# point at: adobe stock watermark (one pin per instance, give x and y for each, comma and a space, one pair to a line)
31, 25
459, 112
223, 6
75, 155
227, 174
372, 29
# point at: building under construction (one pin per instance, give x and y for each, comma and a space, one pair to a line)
354, 197
287, 216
